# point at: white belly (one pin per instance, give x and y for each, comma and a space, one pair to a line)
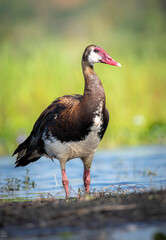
79, 149
69, 150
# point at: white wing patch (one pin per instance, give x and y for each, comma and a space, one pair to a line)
98, 119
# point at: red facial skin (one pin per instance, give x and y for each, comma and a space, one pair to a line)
105, 57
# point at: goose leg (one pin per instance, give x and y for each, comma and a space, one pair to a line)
87, 165
86, 179
65, 183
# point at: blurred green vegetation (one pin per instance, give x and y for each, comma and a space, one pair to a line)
41, 45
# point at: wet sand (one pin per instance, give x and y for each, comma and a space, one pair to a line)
94, 214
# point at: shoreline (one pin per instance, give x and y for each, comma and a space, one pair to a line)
97, 213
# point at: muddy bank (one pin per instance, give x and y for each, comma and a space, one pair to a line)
88, 214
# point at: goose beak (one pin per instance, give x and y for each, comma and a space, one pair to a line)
108, 60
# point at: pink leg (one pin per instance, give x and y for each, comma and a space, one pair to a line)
86, 179
65, 183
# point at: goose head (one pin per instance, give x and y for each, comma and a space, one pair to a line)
94, 54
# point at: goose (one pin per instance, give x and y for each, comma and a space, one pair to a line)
72, 126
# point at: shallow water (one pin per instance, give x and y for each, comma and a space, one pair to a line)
143, 167
127, 231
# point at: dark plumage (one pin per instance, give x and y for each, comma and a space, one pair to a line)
72, 126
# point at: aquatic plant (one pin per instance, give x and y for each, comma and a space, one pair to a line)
111, 190
15, 184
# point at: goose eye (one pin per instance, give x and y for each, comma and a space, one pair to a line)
96, 51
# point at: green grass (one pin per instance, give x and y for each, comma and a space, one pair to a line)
40, 59
33, 75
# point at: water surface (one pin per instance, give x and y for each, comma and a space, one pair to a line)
143, 167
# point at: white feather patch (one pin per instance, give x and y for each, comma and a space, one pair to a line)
94, 57
80, 149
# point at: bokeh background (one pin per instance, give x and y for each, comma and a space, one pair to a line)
41, 45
